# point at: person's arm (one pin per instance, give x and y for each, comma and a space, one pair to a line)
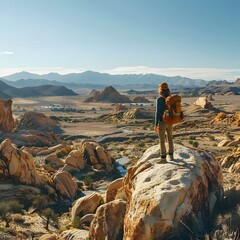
157, 113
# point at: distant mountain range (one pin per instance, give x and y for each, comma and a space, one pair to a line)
8, 91
92, 79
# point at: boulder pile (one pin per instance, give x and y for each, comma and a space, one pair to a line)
6, 119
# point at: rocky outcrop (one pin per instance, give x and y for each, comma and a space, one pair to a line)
97, 156
6, 118
65, 185
30, 138
140, 99
108, 222
203, 103
86, 205
113, 189
120, 107
38, 121
109, 94
223, 118
49, 236
135, 113
19, 164
162, 199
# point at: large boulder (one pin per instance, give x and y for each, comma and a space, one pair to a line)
203, 103
162, 199
6, 118
19, 164
113, 189
108, 221
85, 205
223, 118
65, 185
38, 121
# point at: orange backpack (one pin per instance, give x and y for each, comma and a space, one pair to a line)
174, 113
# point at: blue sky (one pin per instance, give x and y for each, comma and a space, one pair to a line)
196, 38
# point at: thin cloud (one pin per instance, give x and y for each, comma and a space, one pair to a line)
7, 53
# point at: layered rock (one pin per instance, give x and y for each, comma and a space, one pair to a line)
86, 205
6, 118
161, 198
65, 185
74, 234
38, 121
108, 221
19, 164
113, 189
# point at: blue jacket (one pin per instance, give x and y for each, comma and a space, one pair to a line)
160, 108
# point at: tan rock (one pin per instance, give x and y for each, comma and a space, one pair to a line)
49, 236
113, 189
203, 103
159, 196
65, 185
108, 221
69, 168
87, 219
54, 161
86, 205
6, 118
104, 158
19, 164
38, 121
74, 234
224, 143
76, 162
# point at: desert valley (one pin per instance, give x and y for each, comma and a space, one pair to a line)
81, 163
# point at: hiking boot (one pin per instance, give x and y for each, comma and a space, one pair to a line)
162, 159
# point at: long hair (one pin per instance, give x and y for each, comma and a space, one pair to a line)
164, 92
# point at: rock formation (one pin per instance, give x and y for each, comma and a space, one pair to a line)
109, 94
74, 234
38, 121
108, 222
86, 205
203, 103
161, 198
19, 164
233, 119
140, 99
65, 185
6, 119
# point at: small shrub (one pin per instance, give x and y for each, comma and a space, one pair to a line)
192, 137
195, 144
88, 180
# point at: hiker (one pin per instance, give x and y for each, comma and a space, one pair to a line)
160, 126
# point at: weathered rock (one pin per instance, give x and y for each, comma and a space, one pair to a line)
69, 168
161, 196
49, 236
51, 150
108, 221
87, 219
19, 164
120, 107
74, 235
96, 155
203, 103
232, 161
53, 161
75, 159
65, 185
38, 121
6, 118
133, 114
113, 189
21, 192
223, 143
31, 138
223, 118
85, 205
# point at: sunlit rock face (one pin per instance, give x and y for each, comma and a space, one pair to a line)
6, 118
161, 198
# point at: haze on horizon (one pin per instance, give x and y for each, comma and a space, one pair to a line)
197, 39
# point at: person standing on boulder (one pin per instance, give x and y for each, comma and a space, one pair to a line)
162, 127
